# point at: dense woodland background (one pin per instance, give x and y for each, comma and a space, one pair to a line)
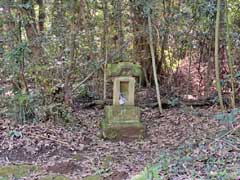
53, 52
53, 56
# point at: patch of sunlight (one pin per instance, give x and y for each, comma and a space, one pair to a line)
170, 61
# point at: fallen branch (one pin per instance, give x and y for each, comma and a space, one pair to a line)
229, 132
230, 144
51, 139
83, 81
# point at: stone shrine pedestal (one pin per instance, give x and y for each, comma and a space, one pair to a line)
122, 122
122, 119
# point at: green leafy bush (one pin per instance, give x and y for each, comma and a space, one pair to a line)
22, 106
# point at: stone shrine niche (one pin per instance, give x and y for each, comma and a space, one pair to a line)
123, 91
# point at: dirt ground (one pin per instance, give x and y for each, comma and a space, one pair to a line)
78, 151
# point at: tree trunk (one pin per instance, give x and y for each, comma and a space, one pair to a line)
41, 16
90, 26
9, 25
76, 25
229, 57
141, 50
154, 63
119, 37
22, 77
31, 30
1, 35
105, 46
217, 74
59, 23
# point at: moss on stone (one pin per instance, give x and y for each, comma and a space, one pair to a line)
124, 114
3, 178
106, 161
120, 132
77, 157
96, 177
17, 171
52, 177
122, 122
124, 69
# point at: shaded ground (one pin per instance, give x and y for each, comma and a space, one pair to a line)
79, 151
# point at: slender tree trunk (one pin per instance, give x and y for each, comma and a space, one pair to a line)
154, 63
77, 24
91, 30
189, 71
217, 74
32, 30
67, 86
105, 46
22, 60
158, 48
41, 16
1, 35
120, 28
208, 73
230, 59
162, 65
141, 50
9, 25
57, 13
119, 37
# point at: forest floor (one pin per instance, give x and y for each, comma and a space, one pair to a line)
183, 143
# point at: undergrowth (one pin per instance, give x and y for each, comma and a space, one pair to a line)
33, 107
218, 160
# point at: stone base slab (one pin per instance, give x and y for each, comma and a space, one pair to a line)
122, 122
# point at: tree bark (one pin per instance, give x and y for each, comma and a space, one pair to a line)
229, 57
41, 16
1, 34
154, 63
141, 50
32, 30
9, 25
105, 46
24, 85
76, 25
119, 37
217, 74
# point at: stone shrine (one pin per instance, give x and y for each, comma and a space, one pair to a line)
122, 119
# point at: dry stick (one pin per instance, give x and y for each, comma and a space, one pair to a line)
154, 63
229, 132
230, 144
84, 80
49, 138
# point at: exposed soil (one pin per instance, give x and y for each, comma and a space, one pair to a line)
78, 150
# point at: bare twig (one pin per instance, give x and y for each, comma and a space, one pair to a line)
101, 62
84, 80
230, 144
50, 138
229, 132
